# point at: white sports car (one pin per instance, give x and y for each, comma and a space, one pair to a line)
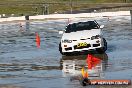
81, 37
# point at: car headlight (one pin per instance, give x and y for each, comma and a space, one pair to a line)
95, 37
66, 41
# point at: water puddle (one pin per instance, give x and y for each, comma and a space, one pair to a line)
22, 65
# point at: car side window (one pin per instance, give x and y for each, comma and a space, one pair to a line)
93, 25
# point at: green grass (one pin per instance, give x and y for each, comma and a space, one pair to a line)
33, 7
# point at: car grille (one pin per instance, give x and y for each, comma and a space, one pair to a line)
69, 48
88, 45
96, 45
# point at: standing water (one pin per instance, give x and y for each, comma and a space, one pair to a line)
23, 65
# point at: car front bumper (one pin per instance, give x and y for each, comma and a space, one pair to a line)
73, 47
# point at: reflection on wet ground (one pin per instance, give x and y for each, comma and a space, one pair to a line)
22, 65
72, 65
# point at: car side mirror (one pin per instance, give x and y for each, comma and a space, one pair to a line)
102, 26
61, 32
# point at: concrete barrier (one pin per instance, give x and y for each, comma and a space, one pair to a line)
59, 16
12, 19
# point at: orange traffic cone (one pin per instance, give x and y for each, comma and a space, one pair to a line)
84, 80
37, 40
84, 74
89, 61
92, 61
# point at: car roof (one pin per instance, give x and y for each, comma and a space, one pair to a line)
80, 22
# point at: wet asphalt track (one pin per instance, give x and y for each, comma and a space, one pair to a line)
22, 65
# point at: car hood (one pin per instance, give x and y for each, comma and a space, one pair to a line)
81, 34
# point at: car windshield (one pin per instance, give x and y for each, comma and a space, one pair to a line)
82, 26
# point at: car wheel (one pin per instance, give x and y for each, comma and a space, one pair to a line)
60, 49
103, 49
100, 50
105, 44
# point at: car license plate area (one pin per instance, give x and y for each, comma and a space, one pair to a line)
82, 45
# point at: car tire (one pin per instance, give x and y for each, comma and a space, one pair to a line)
60, 49
105, 44
103, 49
100, 50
